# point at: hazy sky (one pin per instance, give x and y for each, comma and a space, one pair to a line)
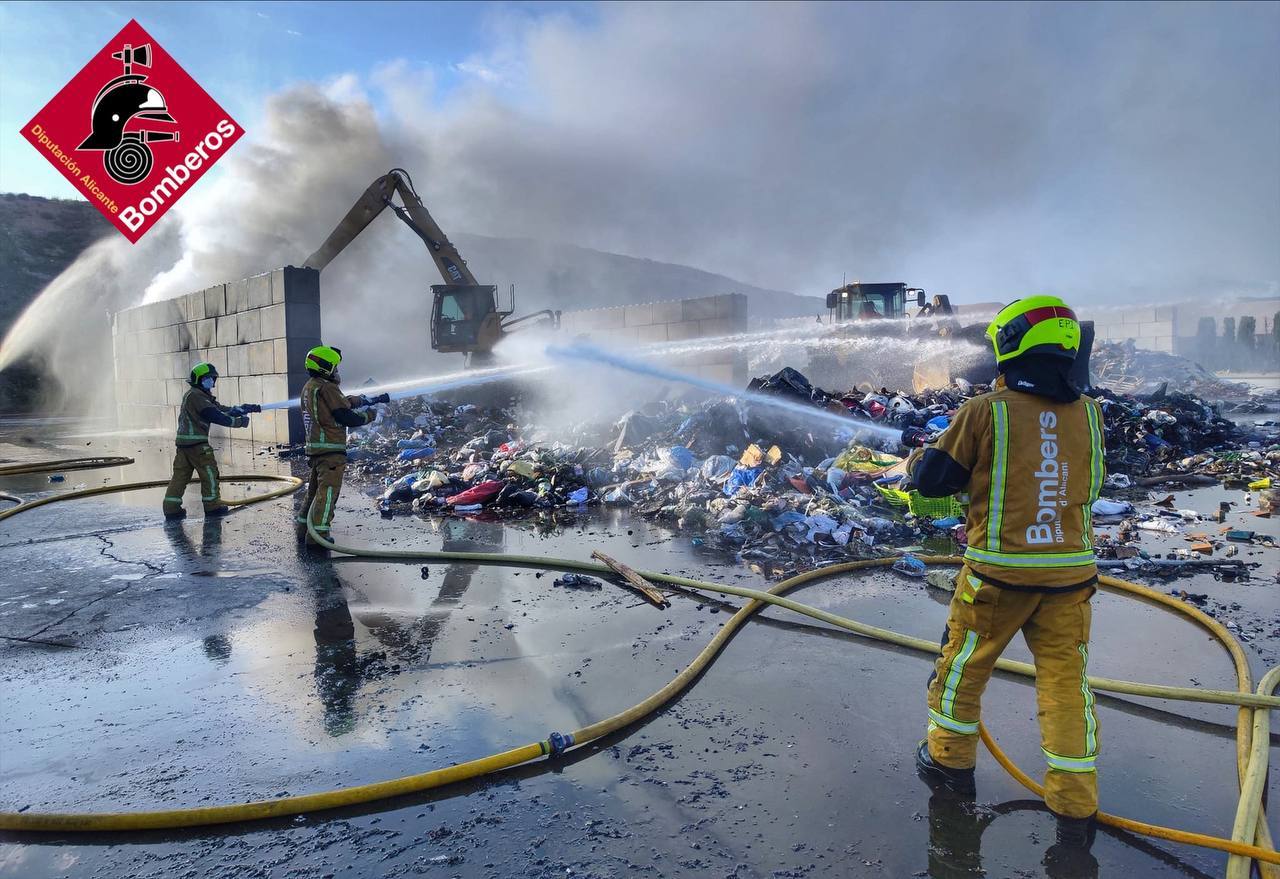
1108, 152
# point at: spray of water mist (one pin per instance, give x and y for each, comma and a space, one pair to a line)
583, 352
426, 386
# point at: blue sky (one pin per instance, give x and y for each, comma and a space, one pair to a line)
239, 52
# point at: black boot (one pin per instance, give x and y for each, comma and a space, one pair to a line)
1067, 862
176, 517
959, 781
1077, 833
214, 512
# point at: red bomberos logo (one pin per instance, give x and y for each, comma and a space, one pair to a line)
132, 131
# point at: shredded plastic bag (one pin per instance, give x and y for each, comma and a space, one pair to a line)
910, 565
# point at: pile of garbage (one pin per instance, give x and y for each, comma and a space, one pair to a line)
1126, 368
740, 478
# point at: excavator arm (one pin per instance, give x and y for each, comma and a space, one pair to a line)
396, 182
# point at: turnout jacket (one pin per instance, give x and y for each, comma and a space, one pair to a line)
326, 415
198, 410
1032, 468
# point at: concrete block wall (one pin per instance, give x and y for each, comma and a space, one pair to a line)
1154, 328
256, 331
1173, 327
672, 321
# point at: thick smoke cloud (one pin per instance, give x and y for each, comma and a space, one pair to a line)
1105, 152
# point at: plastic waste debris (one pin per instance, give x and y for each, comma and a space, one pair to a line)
910, 565
578, 581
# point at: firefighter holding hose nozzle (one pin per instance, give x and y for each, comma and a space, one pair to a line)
326, 415
1030, 456
199, 409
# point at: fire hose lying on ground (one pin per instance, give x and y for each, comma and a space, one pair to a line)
1251, 839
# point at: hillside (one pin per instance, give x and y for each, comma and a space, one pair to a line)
39, 237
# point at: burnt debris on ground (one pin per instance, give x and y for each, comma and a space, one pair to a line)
782, 494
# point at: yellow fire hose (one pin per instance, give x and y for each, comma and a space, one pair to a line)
94, 463
1250, 821
291, 484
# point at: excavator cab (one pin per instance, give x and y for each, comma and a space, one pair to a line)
463, 316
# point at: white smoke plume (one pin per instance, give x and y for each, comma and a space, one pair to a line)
1103, 152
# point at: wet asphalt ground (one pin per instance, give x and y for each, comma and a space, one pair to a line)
151, 667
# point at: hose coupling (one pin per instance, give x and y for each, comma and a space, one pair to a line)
559, 742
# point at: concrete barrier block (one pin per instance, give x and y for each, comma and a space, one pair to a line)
218, 357
302, 319
275, 387
699, 309
293, 284
228, 391
668, 312
272, 321
1166, 312
280, 355
296, 349
206, 332
680, 331
722, 326
259, 290
262, 358
237, 296
226, 332
277, 287
194, 303
251, 389
186, 337
638, 315
215, 300
738, 304
238, 360
249, 326
169, 312
168, 338
652, 333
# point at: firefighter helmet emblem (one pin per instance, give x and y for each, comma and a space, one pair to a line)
126, 156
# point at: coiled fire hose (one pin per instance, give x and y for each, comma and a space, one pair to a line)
1253, 730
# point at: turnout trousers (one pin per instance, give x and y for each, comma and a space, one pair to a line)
982, 621
200, 460
323, 489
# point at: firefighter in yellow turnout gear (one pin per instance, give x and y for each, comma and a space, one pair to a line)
1030, 457
326, 415
199, 409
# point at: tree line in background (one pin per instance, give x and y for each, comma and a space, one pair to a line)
1241, 346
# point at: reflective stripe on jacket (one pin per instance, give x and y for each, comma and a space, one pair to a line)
193, 429
321, 398
1034, 468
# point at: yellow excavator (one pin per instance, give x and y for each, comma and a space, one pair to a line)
465, 317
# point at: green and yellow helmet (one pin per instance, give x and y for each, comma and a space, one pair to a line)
1035, 325
324, 360
200, 370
